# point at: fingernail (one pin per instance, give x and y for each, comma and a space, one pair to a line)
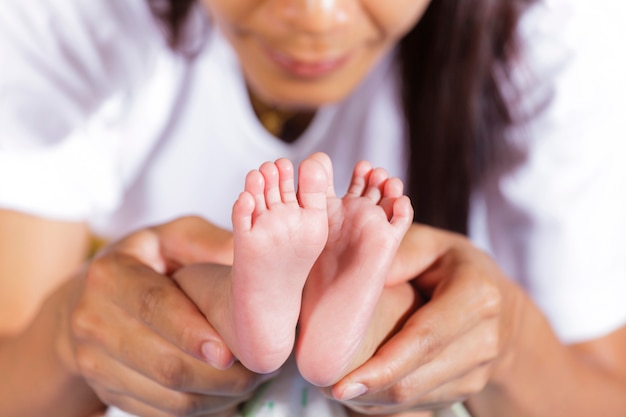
352, 391
215, 355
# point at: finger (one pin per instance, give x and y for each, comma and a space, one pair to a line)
151, 297
125, 388
137, 408
354, 413
397, 410
425, 335
398, 402
208, 286
459, 371
421, 247
192, 239
138, 348
183, 241
142, 350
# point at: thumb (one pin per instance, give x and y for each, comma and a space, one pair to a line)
193, 239
421, 247
169, 246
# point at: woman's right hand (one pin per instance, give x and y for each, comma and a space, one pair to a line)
140, 342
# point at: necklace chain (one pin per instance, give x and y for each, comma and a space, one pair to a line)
283, 124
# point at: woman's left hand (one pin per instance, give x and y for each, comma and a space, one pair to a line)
450, 347
139, 341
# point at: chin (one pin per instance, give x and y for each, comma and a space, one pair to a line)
307, 102
302, 96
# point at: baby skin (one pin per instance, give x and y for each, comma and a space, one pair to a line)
344, 287
341, 247
278, 235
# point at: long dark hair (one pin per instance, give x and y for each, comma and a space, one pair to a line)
454, 63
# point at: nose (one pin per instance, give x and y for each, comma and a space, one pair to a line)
315, 16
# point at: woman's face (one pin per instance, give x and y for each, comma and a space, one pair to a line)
304, 53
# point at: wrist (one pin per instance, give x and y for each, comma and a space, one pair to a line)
39, 360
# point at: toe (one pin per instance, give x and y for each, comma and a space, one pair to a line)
375, 184
402, 216
326, 162
360, 177
312, 184
286, 181
255, 185
271, 178
242, 212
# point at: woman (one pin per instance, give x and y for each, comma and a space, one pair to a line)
109, 125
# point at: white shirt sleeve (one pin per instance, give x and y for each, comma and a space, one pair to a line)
557, 223
63, 63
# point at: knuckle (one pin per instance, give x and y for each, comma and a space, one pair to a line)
101, 273
491, 300
491, 346
400, 393
430, 341
80, 322
187, 337
85, 324
172, 373
387, 376
99, 270
86, 363
150, 300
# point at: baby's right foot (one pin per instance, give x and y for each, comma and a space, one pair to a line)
277, 238
366, 227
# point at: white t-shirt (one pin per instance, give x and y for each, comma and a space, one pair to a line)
101, 122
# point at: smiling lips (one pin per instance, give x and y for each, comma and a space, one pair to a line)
306, 69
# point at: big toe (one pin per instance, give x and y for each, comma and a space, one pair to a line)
312, 184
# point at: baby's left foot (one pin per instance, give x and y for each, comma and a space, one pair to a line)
366, 227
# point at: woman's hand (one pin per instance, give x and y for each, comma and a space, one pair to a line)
140, 342
450, 347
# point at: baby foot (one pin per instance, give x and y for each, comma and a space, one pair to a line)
366, 227
278, 235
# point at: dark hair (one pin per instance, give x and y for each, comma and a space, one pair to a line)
455, 63
173, 13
